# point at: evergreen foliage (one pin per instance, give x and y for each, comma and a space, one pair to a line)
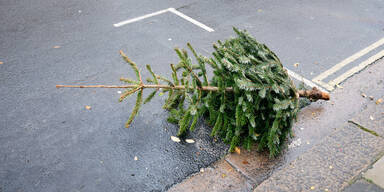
250, 99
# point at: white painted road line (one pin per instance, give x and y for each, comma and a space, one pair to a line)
140, 18
325, 85
304, 80
348, 60
173, 10
356, 69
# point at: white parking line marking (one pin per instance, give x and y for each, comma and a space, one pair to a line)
356, 69
140, 18
348, 60
172, 10
304, 80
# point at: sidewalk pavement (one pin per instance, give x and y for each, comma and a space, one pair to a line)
371, 180
335, 147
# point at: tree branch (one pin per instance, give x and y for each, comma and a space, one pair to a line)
313, 94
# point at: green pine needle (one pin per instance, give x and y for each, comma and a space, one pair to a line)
150, 96
127, 80
153, 74
132, 64
135, 109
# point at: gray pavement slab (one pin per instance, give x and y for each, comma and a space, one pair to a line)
376, 173
362, 185
372, 118
330, 165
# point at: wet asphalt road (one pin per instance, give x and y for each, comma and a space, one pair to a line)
50, 142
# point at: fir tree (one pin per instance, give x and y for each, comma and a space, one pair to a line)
250, 98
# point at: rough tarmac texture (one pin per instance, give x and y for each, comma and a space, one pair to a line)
36, 167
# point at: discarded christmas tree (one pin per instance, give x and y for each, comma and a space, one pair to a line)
250, 98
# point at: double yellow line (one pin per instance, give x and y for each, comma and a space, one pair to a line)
331, 84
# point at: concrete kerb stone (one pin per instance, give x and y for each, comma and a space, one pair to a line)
376, 173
